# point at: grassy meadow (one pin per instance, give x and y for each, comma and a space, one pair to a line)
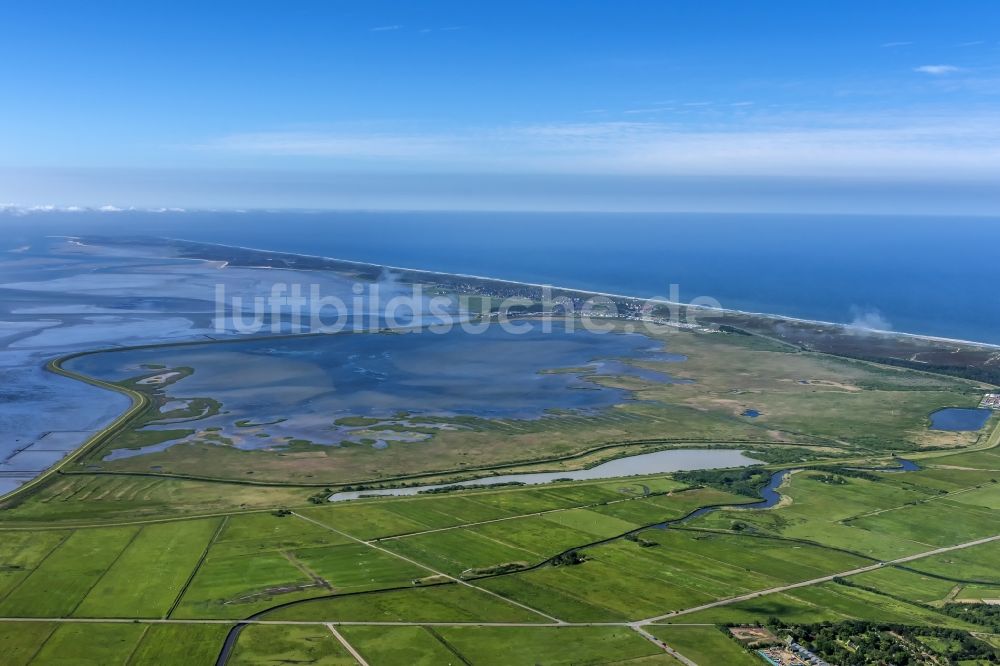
130, 565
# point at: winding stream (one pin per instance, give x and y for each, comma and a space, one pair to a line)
769, 497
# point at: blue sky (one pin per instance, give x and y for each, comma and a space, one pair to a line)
783, 106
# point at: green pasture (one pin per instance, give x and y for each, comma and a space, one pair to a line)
439, 603
261, 645
706, 645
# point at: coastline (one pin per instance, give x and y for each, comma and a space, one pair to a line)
746, 313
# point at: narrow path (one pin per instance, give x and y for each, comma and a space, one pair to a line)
555, 622
964, 469
407, 535
138, 402
308, 623
427, 568
347, 646
815, 581
905, 505
304, 568
33, 527
663, 646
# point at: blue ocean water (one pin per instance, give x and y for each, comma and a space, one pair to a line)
928, 275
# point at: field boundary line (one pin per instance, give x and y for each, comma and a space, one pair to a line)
107, 570
448, 646
775, 537
816, 581
34, 527
405, 535
347, 646
428, 568
38, 566
197, 566
43, 643
135, 648
308, 623
662, 645
31, 527
931, 498
304, 568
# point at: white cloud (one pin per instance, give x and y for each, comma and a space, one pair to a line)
19, 209
975, 43
654, 109
937, 70
892, 45
386, 28
889, 145
334, 144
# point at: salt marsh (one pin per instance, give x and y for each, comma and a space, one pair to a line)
377, 388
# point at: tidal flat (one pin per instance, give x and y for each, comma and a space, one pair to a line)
60, 295
377, 405
376, 388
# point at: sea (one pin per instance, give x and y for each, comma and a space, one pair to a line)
936, 276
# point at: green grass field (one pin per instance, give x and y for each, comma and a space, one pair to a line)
439, 603
546, 645
237, 586
706, 645
623, 580
889, 518
262, 644
260, 532
151, 572
235, 565
57, 586
180, 644
21, 641
827, 602
400, 646
100, 644
976, 564
906, 584
502, 646
139, 548
91, 644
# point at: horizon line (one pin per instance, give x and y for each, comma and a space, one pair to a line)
17, 210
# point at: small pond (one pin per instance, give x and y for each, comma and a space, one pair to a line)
959, 419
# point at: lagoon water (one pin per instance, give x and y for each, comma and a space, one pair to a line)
296, 388
869, 269
960, 419
674, 460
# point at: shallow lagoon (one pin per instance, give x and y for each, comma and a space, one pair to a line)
960, 419
298, 387
674, 460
